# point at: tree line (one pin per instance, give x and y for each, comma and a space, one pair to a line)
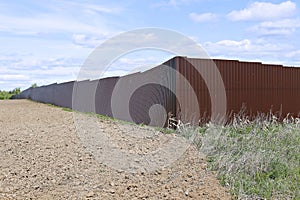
8, 94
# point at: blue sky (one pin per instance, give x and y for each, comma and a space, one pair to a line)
47, 41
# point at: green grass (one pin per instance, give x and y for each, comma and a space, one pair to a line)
165, 130
103, 117
99, 116
67, 109
254, 159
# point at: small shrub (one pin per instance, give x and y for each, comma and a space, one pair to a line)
9, 94
34, 85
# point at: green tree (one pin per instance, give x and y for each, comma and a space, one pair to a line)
34, 85
16, 91
8, 94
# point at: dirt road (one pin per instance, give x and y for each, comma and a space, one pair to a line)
42, 157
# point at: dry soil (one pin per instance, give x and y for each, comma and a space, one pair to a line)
43, 157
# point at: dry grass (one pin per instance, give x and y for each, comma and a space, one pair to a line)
256, 159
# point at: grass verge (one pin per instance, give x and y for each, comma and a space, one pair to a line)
255, 159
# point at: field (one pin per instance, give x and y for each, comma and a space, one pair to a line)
42, 157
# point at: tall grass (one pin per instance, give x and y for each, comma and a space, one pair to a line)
257, 159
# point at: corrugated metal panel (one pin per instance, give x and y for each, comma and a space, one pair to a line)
48, 94
141, 93
83, 98
103, 96
191, 71
63, 94
171, 102
260, 87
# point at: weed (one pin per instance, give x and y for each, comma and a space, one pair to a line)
67, 109
165, 130
255, 158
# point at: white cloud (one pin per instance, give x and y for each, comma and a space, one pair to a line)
174, 3
101, 9
203, 17
13, 77
294, 54
137, 61
45, 24
22, 72
236, 44
251, 50
264, 11
94, 40
64, 17
280, 27
88, 41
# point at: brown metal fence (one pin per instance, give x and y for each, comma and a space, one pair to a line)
252, 86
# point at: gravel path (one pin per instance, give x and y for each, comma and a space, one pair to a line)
42, 156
